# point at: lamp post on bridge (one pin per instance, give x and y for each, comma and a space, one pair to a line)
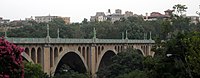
94, 33
58, 32
48, 31
150, 36
48, 37
4, 29
126, 35
122, 35
145, 36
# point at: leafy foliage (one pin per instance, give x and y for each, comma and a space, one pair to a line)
33, 71
122, 63
67, 72
10, 60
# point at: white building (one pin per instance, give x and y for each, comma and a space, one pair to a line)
193, 19
50, 18
3, 21
45, 18
100, 16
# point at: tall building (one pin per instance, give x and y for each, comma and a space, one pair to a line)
193, 19
117, 15
157, 15
3, 21
45, 18
66, 20
118, 11
50, 18
29, 19
100, 16
128, 14
169, 12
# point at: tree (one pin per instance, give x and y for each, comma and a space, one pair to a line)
67, 72
33, 71
192, 53
123, 63
183, 61
10, 60
180, 9
134, 74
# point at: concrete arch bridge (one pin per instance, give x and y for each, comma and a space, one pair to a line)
82, 55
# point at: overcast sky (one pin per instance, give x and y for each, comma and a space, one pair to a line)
80, 9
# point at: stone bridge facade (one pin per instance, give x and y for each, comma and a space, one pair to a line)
82, 54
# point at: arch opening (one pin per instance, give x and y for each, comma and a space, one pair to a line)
99, 50
61, 49
102, 48
87, 54
79, 49
71, 60
139, 52
39, 55
27, 51
51, 57
106, 60
33, 55
55, 54
83, 52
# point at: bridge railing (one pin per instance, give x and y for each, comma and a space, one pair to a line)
63, 40
109, 41
60, 40
26, 40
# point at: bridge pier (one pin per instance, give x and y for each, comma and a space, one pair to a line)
93, 61
46, 60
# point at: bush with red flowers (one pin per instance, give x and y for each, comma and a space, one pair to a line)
11, 65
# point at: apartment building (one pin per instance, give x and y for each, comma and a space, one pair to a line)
50, 18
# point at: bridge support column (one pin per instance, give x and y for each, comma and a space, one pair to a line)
46, 60
93, 62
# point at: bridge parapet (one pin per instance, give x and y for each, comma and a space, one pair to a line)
26, 40
62, 40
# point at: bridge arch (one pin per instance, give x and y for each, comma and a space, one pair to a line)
27, 57
65, 54
141, 49
102, 56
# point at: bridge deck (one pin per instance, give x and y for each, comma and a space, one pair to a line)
66, 40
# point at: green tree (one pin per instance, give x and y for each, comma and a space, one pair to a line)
67, 72
182, 60
192, 53
134, 74
33, 71
123, 63
180, 9
11, 65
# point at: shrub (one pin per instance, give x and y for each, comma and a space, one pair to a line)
11, 65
